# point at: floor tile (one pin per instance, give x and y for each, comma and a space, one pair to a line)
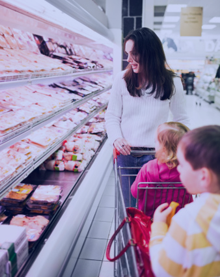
107, 269
87, 268
107, 201
99, 230
93, 249
86, 227
111, 252
104, 214
112, 230
109, 190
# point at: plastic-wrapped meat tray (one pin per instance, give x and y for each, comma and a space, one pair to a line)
21, 170
40, 209
15, 131
18, 194
34, 224
46, 195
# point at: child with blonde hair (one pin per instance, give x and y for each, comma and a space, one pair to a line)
191, 246
162, 169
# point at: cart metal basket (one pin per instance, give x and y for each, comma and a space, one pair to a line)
126, 265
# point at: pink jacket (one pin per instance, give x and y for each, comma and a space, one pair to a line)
154, 172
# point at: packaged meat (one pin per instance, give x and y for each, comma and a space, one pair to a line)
74, 146
43, 137
11, 41
58, 155
67, 124
72, 166
54, 165
14, 234
34, 225
48, 194
18, 194
5, 30
41, 209
83, 130
6, 171
96, 128
70, 156
3, 42
19, 38
3, 110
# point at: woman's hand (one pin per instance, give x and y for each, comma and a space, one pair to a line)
160, 215
122, 146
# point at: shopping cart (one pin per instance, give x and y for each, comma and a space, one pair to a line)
126, 265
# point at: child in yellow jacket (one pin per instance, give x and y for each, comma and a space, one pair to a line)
191, 245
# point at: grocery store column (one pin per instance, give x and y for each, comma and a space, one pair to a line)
148, 13
114, 14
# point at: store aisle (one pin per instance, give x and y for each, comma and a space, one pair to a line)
89, 259
201, 113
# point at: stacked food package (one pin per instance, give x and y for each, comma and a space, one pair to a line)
24, 205
13, 249
16, 157
34, 225
45, 199
15, 200
78, 150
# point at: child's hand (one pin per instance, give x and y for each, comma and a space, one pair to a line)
160, 215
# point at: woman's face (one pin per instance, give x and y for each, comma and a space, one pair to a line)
132, 56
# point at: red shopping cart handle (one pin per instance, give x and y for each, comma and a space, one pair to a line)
115, 153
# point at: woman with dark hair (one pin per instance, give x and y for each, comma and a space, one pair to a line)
141, 98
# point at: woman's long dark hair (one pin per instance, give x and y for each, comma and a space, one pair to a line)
152, 61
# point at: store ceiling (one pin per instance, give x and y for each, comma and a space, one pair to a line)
211, 9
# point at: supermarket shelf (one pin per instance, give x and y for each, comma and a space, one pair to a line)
25, 132
18, 178
70, 182
48, 80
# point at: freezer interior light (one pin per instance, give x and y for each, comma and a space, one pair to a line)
171, 18
175, 7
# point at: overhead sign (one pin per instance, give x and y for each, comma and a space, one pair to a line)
191, 21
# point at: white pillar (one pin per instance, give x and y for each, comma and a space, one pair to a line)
114, 14
148, 14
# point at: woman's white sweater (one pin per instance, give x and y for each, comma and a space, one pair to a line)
136, 118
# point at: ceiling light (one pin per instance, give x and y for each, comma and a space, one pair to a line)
171, 18
215, 20
208, 27
166, 32
175, 8
168, 25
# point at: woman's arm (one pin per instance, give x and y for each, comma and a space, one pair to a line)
114, 110
178, 103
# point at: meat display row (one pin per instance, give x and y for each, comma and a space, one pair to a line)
21, 58
28, 104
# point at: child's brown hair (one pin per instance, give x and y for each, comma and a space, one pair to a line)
169, 135
201, 148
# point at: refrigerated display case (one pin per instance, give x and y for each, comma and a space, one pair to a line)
48, 254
